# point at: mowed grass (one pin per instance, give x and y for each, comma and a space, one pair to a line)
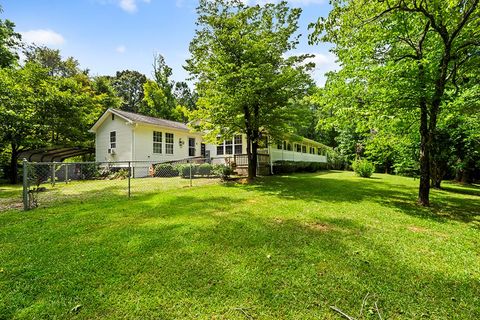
284, 248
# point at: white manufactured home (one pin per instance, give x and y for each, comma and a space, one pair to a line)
127, 136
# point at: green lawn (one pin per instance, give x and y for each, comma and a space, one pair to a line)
285, 248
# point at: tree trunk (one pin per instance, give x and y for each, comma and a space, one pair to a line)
251, 169
14, 164
424, 189
437, 174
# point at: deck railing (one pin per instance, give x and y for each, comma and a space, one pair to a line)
241, 160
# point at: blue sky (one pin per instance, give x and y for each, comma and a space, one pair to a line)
111, 35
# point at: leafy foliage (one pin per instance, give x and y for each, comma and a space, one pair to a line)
401, 59
246, 84
363, 168
9, 43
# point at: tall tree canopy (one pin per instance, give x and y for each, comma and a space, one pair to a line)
246, 84
159, 98
128, 85
9, 43
405, 55
51, 59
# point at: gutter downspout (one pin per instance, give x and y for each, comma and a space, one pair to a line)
132, 153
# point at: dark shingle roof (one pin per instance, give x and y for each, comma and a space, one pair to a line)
135, 117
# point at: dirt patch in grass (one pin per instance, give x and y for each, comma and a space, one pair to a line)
10, 205
278, 220
318, 226
418, 229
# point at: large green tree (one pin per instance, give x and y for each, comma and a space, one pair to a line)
159, 98
22, 93
128, 85
9, 43
245, 82
407, 54
52, 60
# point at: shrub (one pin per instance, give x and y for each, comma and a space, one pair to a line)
205, 169
119, 174
184, 170
223, 171
280, 167
363, 168
165, 170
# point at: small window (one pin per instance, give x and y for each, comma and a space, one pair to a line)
228, 147
113, 139
157, 142
238, 144
113, 116
169, 143
220, 150
304, 149
298, 147
191, 147
312, 150
289, 147
319, 151
279, 146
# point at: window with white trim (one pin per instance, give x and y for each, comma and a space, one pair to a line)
157, 142
228, 146
298, 147
312, 150
237, 140
304, 149
168, 143
220, 149
113, 139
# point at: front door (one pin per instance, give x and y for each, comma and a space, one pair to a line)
203, 150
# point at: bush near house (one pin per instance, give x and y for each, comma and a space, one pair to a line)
292, 166
205, 169
184, 170
363, 168
165, 170
223, 171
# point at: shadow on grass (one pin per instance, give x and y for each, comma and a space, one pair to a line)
472, 190
321, 188
207, 256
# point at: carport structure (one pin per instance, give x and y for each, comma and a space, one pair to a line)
56, 154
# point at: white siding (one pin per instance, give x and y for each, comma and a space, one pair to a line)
124, 140
278, 155
144, 144
221, 158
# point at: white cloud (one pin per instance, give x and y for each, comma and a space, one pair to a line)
324, 62
121, 49
131, 6
43, 37
128, 5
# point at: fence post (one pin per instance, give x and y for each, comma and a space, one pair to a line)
25, 185
190, 173
66, 172
129, 176
53, 174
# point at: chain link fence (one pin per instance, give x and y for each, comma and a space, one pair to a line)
45, 183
